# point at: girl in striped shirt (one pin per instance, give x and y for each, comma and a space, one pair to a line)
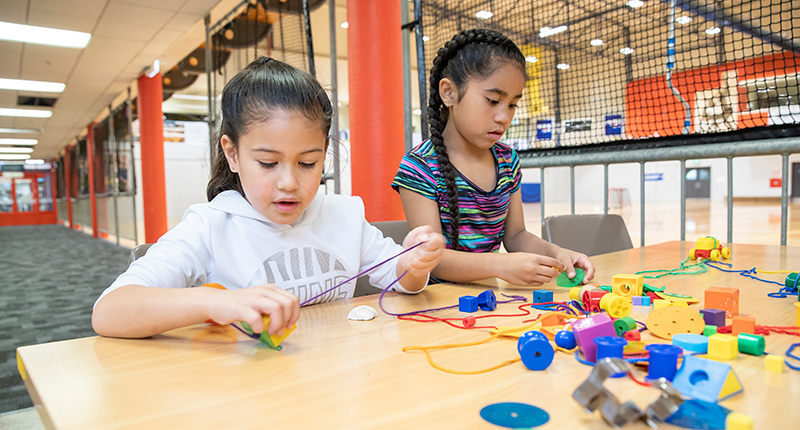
467, 182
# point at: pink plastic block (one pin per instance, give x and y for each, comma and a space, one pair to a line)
587, 329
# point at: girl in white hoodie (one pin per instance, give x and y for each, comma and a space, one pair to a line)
267, 234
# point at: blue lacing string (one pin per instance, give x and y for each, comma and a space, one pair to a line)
783, 292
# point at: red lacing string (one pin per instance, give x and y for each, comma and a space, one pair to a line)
764, 330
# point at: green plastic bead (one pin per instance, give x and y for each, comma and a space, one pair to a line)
624, 324
752, 344
790, 280
564, 281
710, 330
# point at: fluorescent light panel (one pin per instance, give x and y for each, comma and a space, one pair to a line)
14, 156
43, 35
29, 142
483, 14
596, 42
683, 20
531, 59
26, 113
21, 130
547, 31
23, 85
14, 150
34, 161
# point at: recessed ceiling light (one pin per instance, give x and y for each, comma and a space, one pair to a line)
14, 156
683, 20
30, 142
425, 38
23, 85
713, 30
635, 3
26, 113
483, 14
14, 150
21, 130
596, 42
344, 24
563, 66
531, 59
34, 161
547, 31
626, 50
43, 35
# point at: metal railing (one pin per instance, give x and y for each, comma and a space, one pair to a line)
729, 151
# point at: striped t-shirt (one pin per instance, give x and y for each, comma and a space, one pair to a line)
482, 213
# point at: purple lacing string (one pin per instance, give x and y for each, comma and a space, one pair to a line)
255, 336
364, 273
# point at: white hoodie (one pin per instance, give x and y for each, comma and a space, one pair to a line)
228, 242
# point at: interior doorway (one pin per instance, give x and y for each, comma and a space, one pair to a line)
698, 182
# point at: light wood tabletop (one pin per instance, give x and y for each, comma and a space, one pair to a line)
337, 373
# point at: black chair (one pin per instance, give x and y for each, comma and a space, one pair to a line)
589, 234
397, 231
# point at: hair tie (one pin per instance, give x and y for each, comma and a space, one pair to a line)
264, 60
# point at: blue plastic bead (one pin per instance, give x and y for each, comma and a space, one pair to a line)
610, 346
566, 339
487, 300
535, 350
691, 342
663, 361
468, 304
542, 296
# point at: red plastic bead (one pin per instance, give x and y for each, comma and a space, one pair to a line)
633, 335
468, 321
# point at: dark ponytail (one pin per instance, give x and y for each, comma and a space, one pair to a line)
263, 86
470, 54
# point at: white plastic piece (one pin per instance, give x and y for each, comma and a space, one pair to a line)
362, 313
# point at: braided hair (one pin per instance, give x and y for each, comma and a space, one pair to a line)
476, 53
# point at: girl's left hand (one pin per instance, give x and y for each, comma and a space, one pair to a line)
571, 259
422, 259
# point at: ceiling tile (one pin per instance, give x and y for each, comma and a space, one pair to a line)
48, 19
90, 9
202, 7
130, 15
10, 52
127, 31
8, 98
48, 63
112, 50
182, 21
13, 11
171, 5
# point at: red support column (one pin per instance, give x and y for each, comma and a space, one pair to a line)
151, 137
68, 185
375, 66
92, 197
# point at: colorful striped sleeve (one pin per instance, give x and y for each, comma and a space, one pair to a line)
414, 174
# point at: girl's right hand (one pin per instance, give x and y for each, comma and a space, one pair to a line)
248, 304
526, 269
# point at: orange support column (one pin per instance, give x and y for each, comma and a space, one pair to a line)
375, 66
92, 197
151, 137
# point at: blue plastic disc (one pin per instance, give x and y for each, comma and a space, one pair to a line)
514, 415
697, 414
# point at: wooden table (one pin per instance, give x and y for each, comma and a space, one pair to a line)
336, 373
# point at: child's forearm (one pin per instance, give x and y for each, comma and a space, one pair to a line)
525, 241
135, 311
459, 266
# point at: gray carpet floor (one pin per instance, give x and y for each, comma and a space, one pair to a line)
50, 277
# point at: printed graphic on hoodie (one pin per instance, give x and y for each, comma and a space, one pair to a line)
304, 272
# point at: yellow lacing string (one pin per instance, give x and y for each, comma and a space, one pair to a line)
426, 349
774, 271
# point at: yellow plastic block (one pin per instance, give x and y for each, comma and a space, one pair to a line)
627, 285
774, 363
731, 387
722, 347
737, 421
24, 374
797, 314
271, 340
680, 304
658, 304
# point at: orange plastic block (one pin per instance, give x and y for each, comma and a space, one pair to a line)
550, 331
722, 347
552, 319
742, 324
723, 298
